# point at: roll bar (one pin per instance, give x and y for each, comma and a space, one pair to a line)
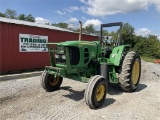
111, 25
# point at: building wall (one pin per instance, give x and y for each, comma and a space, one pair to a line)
13, 60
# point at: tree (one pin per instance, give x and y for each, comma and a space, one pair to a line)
149, 47
138, 39
10, 13
90, 29
114, 36
83, 30
128, 34
105, 33
54, 24
30, 18
61, 25
2, 15
152, 37
22, 17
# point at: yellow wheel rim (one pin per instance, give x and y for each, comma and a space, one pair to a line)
54, 81
135, 72
100, 92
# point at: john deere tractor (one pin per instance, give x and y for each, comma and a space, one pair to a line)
94, 62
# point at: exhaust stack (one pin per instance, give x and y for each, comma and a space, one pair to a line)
80, 31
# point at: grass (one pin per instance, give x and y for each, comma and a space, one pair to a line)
147, 59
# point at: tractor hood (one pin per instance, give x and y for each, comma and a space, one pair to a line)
78, 43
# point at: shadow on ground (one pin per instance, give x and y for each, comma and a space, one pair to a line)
112, 90
108, 101
79, 95
141, 87
75, 95
115, 89
8, 99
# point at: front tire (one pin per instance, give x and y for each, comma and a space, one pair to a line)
49, 82
129, 76
95, 92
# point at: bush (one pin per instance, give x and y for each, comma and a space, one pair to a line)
149, 47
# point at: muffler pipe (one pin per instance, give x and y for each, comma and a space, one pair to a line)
80, 30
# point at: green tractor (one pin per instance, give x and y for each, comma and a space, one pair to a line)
94, 62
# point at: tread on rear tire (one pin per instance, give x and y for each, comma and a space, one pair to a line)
129, 76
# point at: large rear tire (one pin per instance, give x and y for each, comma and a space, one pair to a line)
49, 82
95, 92
129, 76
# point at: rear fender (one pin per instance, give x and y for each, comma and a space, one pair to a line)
116, 55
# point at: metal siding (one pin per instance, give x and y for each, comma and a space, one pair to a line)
10, 57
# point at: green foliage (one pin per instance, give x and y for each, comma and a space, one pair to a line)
83, 30
22, 17
61, 25
149, 47
89, 29
30, 18
105, 33
10, 14
146, 46
2, 15
114, 36
127, 34
13, 15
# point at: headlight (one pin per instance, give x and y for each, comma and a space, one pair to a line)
63, 56
57, 56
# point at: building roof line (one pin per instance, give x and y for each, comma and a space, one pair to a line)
21, 22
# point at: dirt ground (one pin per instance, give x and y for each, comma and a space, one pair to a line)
25, 99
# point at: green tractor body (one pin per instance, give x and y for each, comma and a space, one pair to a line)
94, 62
80, 60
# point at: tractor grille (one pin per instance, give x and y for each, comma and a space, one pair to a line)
74, 55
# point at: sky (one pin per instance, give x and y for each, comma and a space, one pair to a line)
143, 15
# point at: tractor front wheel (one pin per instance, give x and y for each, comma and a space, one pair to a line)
50, 82
130, 72
95, 92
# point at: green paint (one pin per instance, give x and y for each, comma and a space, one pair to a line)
116, 54
90, 56
112, 74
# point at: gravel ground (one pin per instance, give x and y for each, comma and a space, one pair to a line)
24, 99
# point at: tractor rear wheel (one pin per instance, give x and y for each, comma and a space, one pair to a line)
131, 71
95, 92
49, 82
